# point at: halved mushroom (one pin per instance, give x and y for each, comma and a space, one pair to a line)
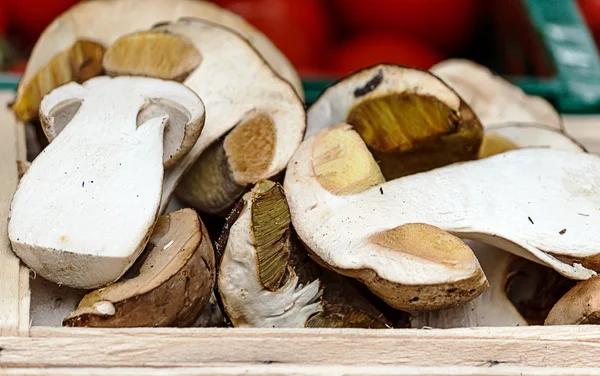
579, 306
266, 278
509, 136
521, 292
401, 113
256, 119
72, 46
85, 208
383, 233
173, 285
492, 98
492, 308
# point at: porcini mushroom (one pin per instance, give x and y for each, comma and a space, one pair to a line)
71, 48
509, 136
493, 98
401, 111
395, 236
173, 284
84, 210
256, 119
266, 278
518, 287
579, 306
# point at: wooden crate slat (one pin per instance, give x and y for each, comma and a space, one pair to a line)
14, 289
577, 347
297, 370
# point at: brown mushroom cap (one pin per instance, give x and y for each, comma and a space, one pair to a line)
174, 283
579, 306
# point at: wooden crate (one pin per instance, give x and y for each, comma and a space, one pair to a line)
26, 350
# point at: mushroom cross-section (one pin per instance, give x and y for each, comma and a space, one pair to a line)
401, 112
364, 227
172, 285
266, 278
84, 209
255, 121
72, 46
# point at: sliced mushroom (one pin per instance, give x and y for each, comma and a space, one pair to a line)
85, 208
579, 306
509, 136
266, 278
492, 98
402, 113
492, 308
383, 233
255, 123
173, 285
72, 46
520, 291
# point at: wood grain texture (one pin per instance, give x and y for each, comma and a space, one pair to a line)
537, 347
14, 289
297, 370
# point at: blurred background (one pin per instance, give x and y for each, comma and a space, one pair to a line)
326, 39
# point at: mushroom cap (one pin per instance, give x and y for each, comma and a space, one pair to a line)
83, 211
96, 21
469, 199
515, 135
185, 112
238, 86
579, 306
401, 113
173, 284
493, 98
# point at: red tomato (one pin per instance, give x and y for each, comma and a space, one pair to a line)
299, 28
3, 16
28, 18
370, 49
447, 24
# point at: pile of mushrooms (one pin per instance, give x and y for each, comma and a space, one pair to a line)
197, 190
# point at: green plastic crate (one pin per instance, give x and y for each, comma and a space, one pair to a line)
574, 89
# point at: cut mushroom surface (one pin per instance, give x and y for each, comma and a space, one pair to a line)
492, 308
84, 209
255, 121
72, 46
492, 98
402, 113
366, 228
172, 286
266, 278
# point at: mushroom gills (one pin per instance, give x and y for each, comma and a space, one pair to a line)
267, 278
169, 286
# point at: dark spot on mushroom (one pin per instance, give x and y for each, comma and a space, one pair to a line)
380, 190
82, 184
451, 290
530, 220
562, 232
585, 215
415, 299
370, 85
